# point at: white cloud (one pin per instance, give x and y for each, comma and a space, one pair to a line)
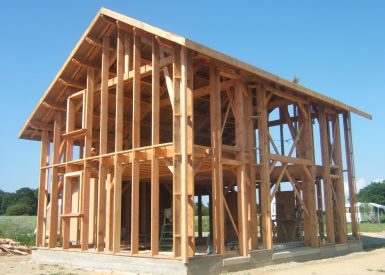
360, 184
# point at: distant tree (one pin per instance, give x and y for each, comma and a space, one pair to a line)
375, 193
205, 209
19, 209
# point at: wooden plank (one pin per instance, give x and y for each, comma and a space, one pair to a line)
326, 174
101, 221
217, 169
240, 139
350, 171
118, 143
43, 177
155, 159
135, 144
53, 223
263, 140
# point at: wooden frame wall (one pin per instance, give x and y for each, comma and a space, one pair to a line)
113, 105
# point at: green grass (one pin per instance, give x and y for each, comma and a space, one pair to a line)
18, 228
369, 227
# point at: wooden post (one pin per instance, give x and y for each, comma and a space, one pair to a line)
263, 137
135, 144
240, 139
53, 223
351, 176
326, 174
88, 110
339, 183
188, 120
217, 169
101, 221
42, 206
118, 143
155, 158
307, 152
251, 193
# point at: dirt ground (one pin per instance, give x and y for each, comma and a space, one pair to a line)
367, 262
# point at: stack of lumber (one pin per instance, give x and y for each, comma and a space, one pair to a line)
9, 247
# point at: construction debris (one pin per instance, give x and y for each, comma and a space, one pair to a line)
10, 247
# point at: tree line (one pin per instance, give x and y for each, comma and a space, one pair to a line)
23, 202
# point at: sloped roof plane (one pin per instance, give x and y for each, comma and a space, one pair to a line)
99, 26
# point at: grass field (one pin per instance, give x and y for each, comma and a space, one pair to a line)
18, 228
369, 227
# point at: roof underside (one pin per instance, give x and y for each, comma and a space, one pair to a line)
86, 50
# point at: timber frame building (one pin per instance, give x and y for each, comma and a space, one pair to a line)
139, 120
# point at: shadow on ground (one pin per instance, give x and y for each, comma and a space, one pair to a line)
373, 241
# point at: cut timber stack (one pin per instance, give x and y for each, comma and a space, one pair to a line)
9, 247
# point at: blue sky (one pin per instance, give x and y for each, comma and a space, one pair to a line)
334, 47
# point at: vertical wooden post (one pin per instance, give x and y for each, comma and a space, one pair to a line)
251, 193
53, 226
307, 152
263, 137
326, 174
351, 176
101, 221
217, 169
339, 183
118, 143
240, 139
88, 110
41, 218
155, 158
177, 160
135, 144
189, 124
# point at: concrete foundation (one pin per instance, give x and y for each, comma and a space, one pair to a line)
210, 264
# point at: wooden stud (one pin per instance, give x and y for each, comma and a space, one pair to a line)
101, 221
339, 183
135, 144
308, 180
240, 139
118, 143
42, 206
263, 137
54, 183
217, 169
326, 174
351, 176
155, 159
